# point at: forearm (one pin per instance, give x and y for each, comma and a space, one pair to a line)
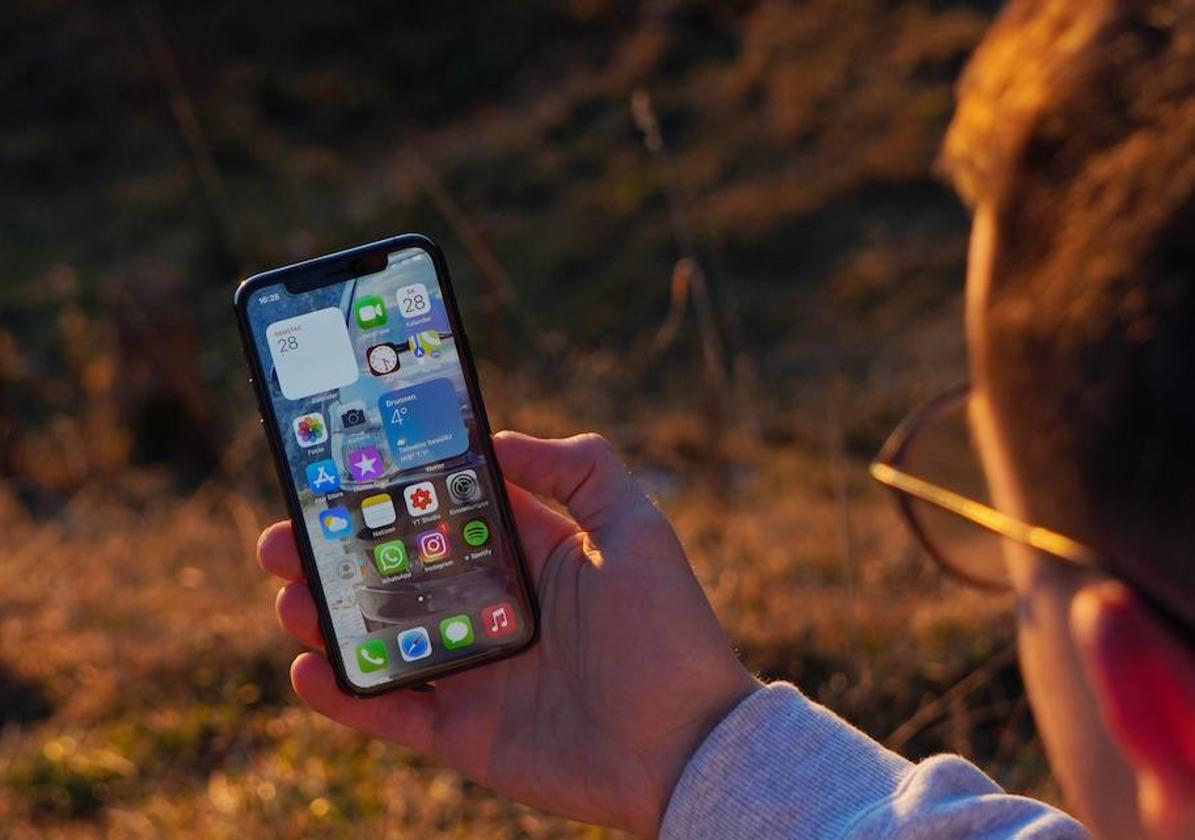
780, 766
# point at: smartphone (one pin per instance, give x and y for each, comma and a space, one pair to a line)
372, 407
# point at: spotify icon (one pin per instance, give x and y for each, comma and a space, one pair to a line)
476, 533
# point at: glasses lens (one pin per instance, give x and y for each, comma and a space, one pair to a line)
942, 453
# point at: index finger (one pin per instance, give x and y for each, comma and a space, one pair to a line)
277, 552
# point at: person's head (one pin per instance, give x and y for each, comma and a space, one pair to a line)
1074, 144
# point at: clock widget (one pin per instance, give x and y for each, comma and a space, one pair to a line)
382, 359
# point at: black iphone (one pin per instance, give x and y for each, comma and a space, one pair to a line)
371, 403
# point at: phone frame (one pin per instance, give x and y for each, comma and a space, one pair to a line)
338, 268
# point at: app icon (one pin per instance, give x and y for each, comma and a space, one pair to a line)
464, 487
456, 631
426, 343
382, 359
336, 523
370, 311
475, 533
414, 301
310, 429
365, 463
323, 477
378, 511
390, 558
372, 656
414, 644
433, 546
498, 620
352, 415
421, 498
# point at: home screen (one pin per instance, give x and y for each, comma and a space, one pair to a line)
384, 449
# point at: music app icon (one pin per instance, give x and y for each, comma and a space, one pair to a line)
498, 620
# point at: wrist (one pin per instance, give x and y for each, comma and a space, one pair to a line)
715, 706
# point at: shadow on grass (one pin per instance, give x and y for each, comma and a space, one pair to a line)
21, 700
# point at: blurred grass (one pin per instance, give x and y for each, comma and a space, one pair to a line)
143, 682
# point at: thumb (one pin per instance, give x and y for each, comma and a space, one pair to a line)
582, 473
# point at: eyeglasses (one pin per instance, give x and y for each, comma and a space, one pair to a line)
931, 451
930, 464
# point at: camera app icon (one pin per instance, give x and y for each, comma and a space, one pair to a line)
352, 414
464, 487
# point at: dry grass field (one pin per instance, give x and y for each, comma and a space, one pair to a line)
144, 679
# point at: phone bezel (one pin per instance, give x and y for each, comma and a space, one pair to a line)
327, 270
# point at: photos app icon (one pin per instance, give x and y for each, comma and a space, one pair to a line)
310, 429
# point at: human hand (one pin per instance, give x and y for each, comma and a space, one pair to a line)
631, 671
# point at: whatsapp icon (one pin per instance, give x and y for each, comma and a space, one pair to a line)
390, 557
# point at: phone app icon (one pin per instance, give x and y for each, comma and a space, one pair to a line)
433, 546
499, 620
390, 558
352, 415
456, 631
426, 343
414, 644
370, 312
475, 533
378, 511
383, 359
323, 477
421, 498
372, 656
310, 429
336, 523
464, 487
365, 463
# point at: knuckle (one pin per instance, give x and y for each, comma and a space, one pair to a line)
594, 445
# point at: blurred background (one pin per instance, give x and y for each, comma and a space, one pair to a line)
710, 230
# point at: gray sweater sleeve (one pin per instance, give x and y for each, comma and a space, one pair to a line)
781, 766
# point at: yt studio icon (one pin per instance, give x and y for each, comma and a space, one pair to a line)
464, 487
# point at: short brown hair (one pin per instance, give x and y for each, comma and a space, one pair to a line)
1076, 128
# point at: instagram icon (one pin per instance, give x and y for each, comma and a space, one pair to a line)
433, 546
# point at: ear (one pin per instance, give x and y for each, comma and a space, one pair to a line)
1144, 681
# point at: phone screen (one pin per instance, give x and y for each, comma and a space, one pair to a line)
401, 504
